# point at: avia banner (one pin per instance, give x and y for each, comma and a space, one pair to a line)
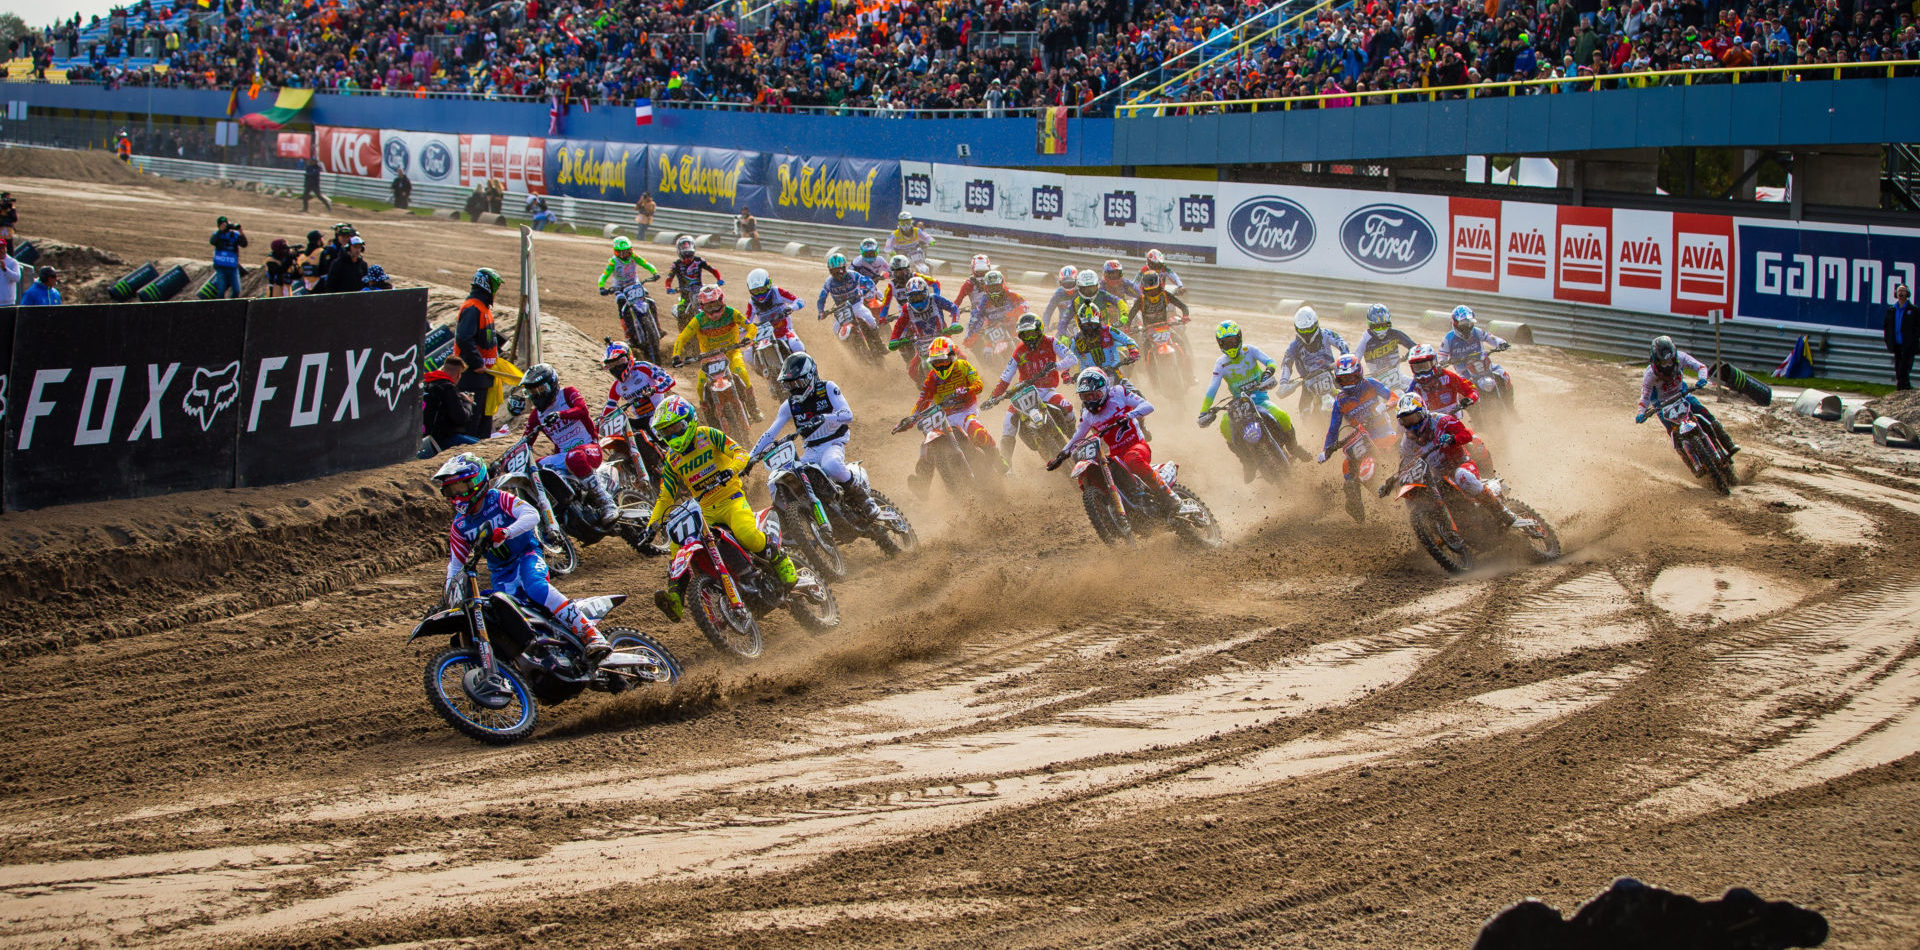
1097, 215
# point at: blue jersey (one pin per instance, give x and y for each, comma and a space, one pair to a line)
495, 509
1105, 350
1458, 348
1311, 361
1364, 404
1384, 351
853, 287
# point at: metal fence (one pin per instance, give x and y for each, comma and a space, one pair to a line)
1838, 352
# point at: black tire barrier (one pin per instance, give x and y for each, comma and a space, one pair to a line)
165, 286
1735, 379
207, 290
26, 253
124, 288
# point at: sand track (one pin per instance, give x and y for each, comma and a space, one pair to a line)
1019, 738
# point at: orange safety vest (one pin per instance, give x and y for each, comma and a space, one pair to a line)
484, 340
125, 148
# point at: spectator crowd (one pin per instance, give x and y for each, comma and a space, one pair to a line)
930, 56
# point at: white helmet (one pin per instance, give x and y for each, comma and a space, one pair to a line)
981, 265
1463, 318
1306, 322
899, 262
906, 217
1087, 280
759, 281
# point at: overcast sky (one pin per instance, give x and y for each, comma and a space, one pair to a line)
39, 13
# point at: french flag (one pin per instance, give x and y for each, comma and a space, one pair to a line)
643, 112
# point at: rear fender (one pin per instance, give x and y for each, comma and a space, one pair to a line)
720, 384
1169, 472
934, 436
595, 608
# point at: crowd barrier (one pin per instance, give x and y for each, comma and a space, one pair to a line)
109, 401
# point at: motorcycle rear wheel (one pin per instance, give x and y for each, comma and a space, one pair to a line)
896, 536
447, 694
733, 632
667, 668
1432, 532
1201, 529
799, 529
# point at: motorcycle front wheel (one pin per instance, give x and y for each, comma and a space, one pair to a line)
896, 535
561, 555
733, 632
1545, 544
1109, 523
500, 712
1430, 526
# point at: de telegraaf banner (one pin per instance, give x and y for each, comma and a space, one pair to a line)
846, 191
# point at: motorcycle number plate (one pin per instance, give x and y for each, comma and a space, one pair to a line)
1162, 336
781, 457
1675, 412
615, 424
1252, 432
764, 334
842, 315
516, 460
996, 335
1477, 367
1027, 400
1087, 451
929, 422
683, 525
1320, 385
716, 367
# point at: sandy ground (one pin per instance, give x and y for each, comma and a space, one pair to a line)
1018, 738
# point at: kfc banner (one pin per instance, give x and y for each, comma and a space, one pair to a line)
345, 151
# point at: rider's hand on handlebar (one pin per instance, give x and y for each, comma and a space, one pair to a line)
1322, 457
606, 291
1206, 419
1502, 348
1702, 384
678, 362
904, 424
1642, 417
497, 538
1057, 460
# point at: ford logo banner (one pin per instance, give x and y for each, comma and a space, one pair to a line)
436, 161
1388, 238
1273, 229
396, 155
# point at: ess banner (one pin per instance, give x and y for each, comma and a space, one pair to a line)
1097, 215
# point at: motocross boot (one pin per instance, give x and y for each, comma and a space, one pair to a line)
1493, 504
782, 565
669, 602
860, 500
604, 510
596, 645
1720, 432
1007, 443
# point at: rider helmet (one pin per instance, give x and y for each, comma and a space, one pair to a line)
1155, 259
622, 245
1227, 334
673, 422
994, 281
1422, 359
759, 284
1378, 318
799, 373
1092, 387
1463, 319
1087, 317
1067, 276
1088, 282
713, 304
1664, 356
837, 264
1111, 269
940, 354
542, 384
487, 279
900, 267
869, 248
1346, 371
981, 265
1150, 282
462, 479
1411, 409
1306, 323
619, 357
919, 295
685, 246
1029, 329
905, 220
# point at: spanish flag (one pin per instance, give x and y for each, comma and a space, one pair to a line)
1053, 132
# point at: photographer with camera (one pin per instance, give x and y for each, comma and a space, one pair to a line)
227, 243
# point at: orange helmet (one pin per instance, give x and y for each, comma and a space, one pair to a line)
940, 354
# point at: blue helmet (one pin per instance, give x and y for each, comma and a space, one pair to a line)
1463, 318
1378, 318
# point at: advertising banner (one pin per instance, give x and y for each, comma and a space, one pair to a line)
293, 145
602, 171
705, 179
345, 151
326, 389
6, 380
428, 158
843, 191
1832, 274
516, 160
1339, 233
122, 400
1089, 214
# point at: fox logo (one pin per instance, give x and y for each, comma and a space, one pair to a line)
211, 393
398, 374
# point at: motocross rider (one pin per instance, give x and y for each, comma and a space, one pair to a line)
1362, 402
954, 385
1441, 388
1441, 441
771, 306
504, 526
624, 267
1238, 366
718, 326
684, 277
976, 281
821, 416
1113, 280
1150, 308
1464, 341
1062, 300
1097, 344
1157, 264
846, 285
909, 238
900, 272
1087, 289
1114, 410
638, 386
701, 462
563, 415
870, 264
1040, 360
1666, 376
1381, 347
1313, 349
923, 313
995, 305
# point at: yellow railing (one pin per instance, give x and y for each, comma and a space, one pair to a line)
1687, 77
1236, 49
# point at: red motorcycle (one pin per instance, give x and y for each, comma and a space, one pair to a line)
727, 589
1121, 506
1166, 358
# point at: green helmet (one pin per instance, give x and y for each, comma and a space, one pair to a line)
622, 244
1227, 334
487, 279
674, 421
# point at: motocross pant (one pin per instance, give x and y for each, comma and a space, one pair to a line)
526, 581
831, 457
783, 330
1700, 409
738, 517
966, 421
1012, 425
581, 460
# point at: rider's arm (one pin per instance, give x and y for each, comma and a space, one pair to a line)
972, 385
928, 388
1213, 385
670, 487
613, 395
607, 274
1490, 339
781, 417
709, 268
822, 302
525, 516
1333, 426
643, 263
1690, 365
1337, 341
1289, 360
1006, 377
1133, 309
1137, 405
946, 306
687, 335
1176, 301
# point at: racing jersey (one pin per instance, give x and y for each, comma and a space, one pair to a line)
1383, 351
962, 381
820, 415
1457, 349
778, 307
494, 509
708, 470
1154, 311
895, 291
1444, 390
1311, 361
974, 287
852, 288
1364, 404
684, 273
987, 311
873, 268
1062, 300
625, 273
1122, 400
1120, 287
1106, 349
1441, 441
642, 385
1166, 273
567, 421
706, 339
1657, 388
1112, 309
1236, 371
1028, 361
905, 242
932, 320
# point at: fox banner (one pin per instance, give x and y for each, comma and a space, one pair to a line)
845, 191
122, 400
326, 389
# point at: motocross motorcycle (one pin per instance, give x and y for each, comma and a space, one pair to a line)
563, 501
505, 659
727, 589
914, 351
634, 485
1694, 439
1162, 352
817, 517
1458, 531
1254, 428
1122, 507
1041, 425
639, 319
1316, 393
864, 341
721, 403
997, 341
962, 465
1359, 452
1493, 382
768, 352
1392, 378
